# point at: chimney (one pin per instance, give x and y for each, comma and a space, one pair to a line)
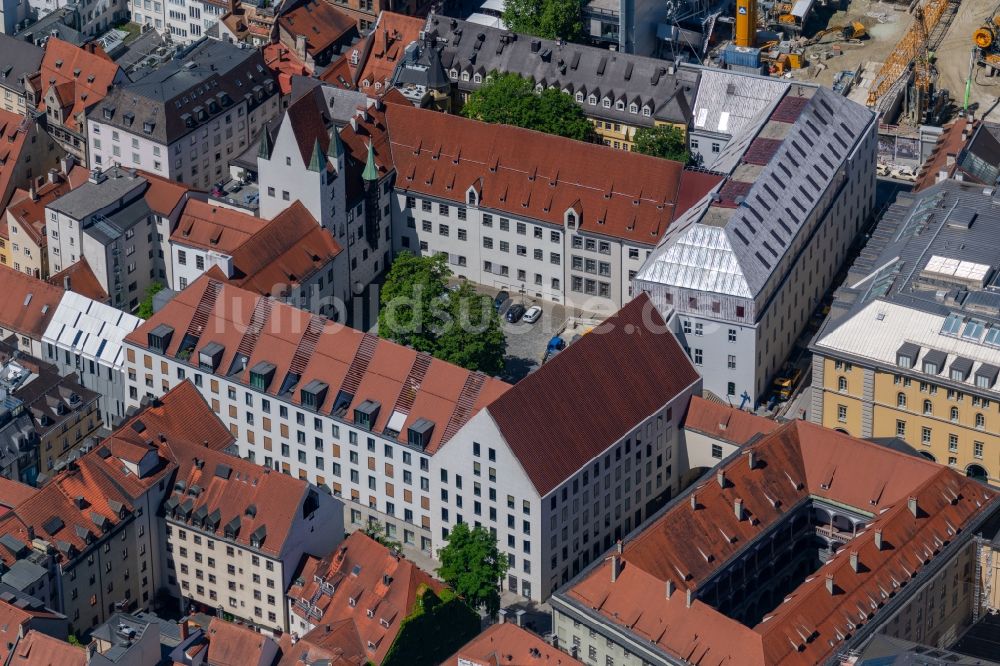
32, 193
878, 538
670, 588
183, 626
720, 476
950, 159
829, 583
520, 617
620, 547
855, 564
616, 567
67, 163
751, 459
54, 175
67, 284
912, 504
738, 508
300, 46
690, 598
694, 501
503, 615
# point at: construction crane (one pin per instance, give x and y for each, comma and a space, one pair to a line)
987, 40
911, 47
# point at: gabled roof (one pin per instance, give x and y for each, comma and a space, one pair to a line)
80, 279
509, 645
38, 649
22, 59
83, 76
916, 506
330, 643
385, 372
322, 24
28, 211
621, 194
231, 644
594, 393
28, 303
14, 130
374, 58
285, 64
377, 580
213, 227
725, 423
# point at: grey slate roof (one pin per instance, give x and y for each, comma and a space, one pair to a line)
914, 229
729, 104
475, 48
340, 103
20, 59
733, 246
92, 197
64, 23
180, 96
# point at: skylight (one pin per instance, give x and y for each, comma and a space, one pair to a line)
951, 325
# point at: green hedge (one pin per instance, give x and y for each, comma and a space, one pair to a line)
436, 628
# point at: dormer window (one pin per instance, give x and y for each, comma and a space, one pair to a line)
538, 87
571, 219
633, 108
209, 356
646, 111
159, 338
607, 103
370, 613
592, 100
579, 97
366, 414
109, 113
472, 197
477, 78
261, 375
620, 105
454, 73
313, 394
465, 76
147, 127
418, 435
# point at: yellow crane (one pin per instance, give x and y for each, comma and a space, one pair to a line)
910, 48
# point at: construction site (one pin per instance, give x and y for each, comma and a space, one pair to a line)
917, 62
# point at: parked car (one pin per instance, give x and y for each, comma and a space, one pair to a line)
556, 344
501, 298
532, 314
515, 313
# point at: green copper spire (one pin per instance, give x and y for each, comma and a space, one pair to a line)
318, 161
336, 148
266, 145
371, 171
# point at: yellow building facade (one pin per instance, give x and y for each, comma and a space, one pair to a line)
958, 428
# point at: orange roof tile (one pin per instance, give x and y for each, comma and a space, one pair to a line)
81, 280
29, 212
232, 644
38, 649
377, 580
28, 303
615, 193
322, 24
13, 624
378, 54
213, 227
83, 76
11, 145
13, 492
162, 194
796, 462
285, 63
726, 423
509, 645
435, 388
338, 642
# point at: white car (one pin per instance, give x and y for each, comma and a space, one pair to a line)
532, 315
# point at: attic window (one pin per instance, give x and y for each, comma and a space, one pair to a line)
366, 414
477, 78
592, 100
147, 127
633, 108
620, 105
579, 97
646, 111
108, 113
571, 219
606, 103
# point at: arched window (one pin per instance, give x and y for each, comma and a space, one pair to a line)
928, 407
954, 413
901, 400
980, 421
842, 384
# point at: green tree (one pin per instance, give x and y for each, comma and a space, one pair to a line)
376, 531
412, 300
664, 141
474, 338
473, 566
551, 19
435, 629
145, 310
458, 326
511, 99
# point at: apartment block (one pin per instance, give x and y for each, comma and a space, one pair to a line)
800, 548
188, 118
119, 221
739, 273
529, 212
313, 399
84, 337
618, 92
28, 152
24, 59
911, 348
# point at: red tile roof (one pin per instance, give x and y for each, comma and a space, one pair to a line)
162, 194
795, 462
38, 649
81, 280
950, 143
384, 367
378, 54
594, 392
232, 644
307, 122
28, 303
209, 226
338, 642
378, 581
509, 645
286, 252
531, 174
84, 75
322, 24
13, 624
29, 212
12, 142
13, 493
285, 63
726, 423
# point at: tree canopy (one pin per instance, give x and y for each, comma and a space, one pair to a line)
551, 19
511, 99
664, 141
145, 310
459, 326
473, 566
